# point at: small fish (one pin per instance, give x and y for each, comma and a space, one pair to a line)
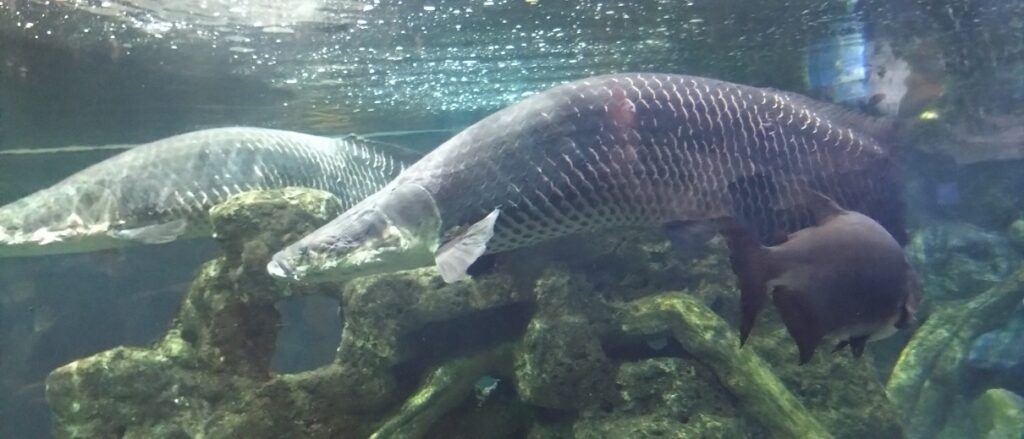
845, 277
484, 387
613, 151
162, 191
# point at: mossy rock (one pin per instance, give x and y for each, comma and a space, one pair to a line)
560, 363
844, 393
998, 414
644, 427
1016, 234
959, 260
676, 388
928, 379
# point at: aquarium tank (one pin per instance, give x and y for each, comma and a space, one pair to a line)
512, 219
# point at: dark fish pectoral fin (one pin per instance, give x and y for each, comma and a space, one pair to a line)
746, 257
154, 234
455, 256
857, 345
801, 323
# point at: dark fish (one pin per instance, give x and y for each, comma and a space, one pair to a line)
610, 151
162, 191
845, 277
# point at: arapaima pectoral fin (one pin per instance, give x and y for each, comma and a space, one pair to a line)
154, 234
455, 256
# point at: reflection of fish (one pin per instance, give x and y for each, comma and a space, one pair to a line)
161, 191
845, 277
603, 152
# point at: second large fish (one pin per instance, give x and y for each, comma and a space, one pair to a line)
162, 191
611, 151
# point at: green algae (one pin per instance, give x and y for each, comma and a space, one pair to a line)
998, 413
1016, 234
444, 389
555, 338
560, 363
927, 379
843, 393
670, 397
209, 376
747, 377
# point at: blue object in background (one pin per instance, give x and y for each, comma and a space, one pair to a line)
837, 65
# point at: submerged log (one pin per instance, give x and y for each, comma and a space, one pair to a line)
741, 371
927, 379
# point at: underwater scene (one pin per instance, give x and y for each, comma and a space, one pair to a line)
512, 219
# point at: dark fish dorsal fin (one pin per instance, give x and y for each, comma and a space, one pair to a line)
880, 128
799, 319
821, 206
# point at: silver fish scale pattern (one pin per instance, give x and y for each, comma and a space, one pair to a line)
647, 149
185, 175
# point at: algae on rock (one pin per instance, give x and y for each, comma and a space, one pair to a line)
669, 397
1016, 234
210, 375
569, 344
750, 380
998, 413
445, 387
958, 260
927, 379
561, 363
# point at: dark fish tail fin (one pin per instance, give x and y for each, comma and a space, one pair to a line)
749, 261
800, 321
